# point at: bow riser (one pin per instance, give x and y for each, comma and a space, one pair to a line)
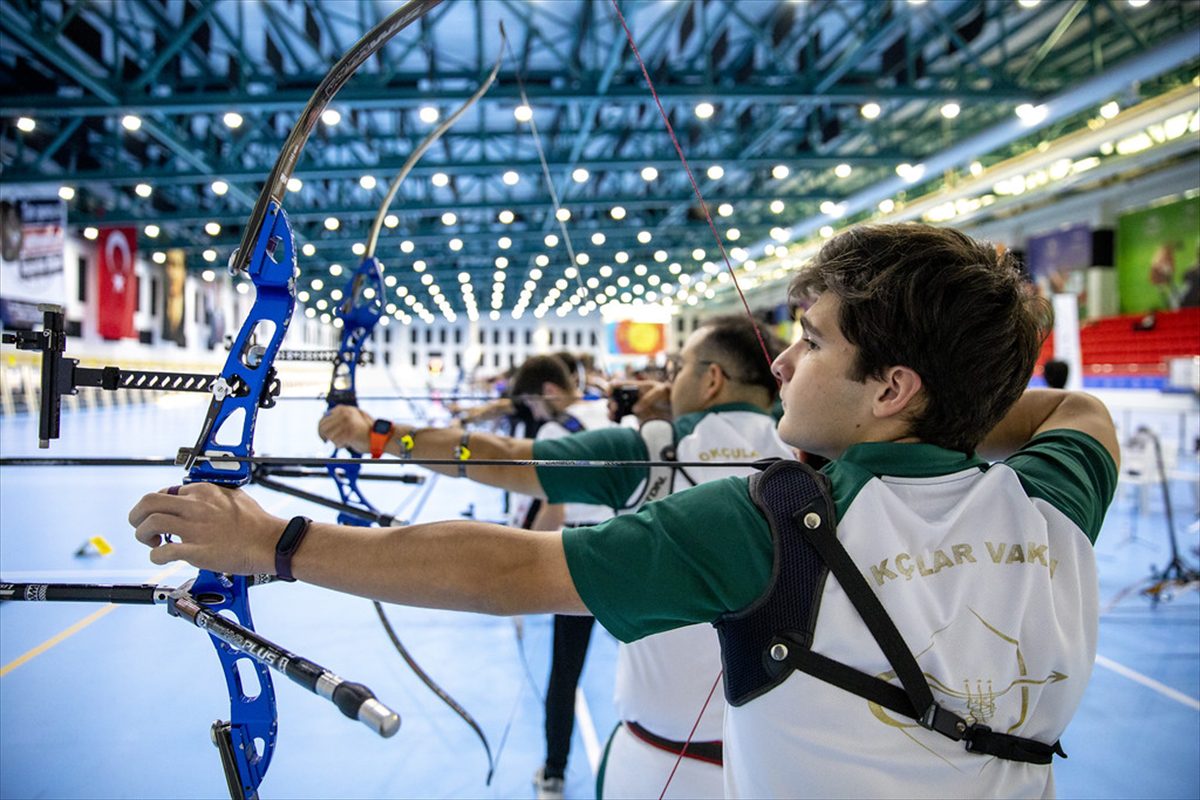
272, 271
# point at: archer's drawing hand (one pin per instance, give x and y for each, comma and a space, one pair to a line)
347, 426
208, 526
654, 402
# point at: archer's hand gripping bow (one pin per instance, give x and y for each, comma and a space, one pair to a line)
246, 382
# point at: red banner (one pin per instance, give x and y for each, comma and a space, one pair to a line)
115, 251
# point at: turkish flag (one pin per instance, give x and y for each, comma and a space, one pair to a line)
116, 249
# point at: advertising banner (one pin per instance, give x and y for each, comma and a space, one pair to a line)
1158, 257
174, 298
31, 257
631, 338
116, 249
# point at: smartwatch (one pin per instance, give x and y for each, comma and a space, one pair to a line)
288, 544
381, 434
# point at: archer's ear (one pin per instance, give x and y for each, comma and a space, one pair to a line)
899, 390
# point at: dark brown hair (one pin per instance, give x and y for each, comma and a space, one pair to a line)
731, 340
952, 309
537, 370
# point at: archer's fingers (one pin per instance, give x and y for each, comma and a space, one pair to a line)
165, 554
151, 530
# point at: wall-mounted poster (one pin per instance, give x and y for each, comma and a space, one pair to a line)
632, 338
116, 249
174, 305
31, 257
1158, 257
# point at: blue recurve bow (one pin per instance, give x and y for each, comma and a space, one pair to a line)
359, 312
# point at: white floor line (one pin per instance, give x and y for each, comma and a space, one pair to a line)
1150, 683
587, 730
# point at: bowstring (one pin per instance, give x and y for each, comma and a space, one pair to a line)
732, 276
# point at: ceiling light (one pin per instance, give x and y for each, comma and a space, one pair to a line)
90, 232
843, 170
511, 178
317, 284
659, 255
562, 215
456, 244
295, 184
780, 234
870, 110
580, 175
704, 110
391, 220
219, 188
358, 248
716, 172
1110, 109
440, 179
644, 237
887, 205
551, 240
506, 217
649, 173
419, 265
308, 249
501, 262
449, 218
209, 255
26, 124
523, 113
1030, 114
66, 192
976, 168
367, 182
621, 256
428, 115
131, 122
152, 231
1028, 3
617, 212
406, 246
542, 260
504, 242
776, 206
143, 190
212, 228
733, 234
232, 119
598, 238
331, 117
828, 207
826, 231
1138, 3
159, 257
780, 171
332, 223
951, 110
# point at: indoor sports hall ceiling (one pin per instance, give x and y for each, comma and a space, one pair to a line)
795, 115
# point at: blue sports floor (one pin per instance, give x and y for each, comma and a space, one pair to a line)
111, 702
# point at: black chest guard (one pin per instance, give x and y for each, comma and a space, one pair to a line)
761, 645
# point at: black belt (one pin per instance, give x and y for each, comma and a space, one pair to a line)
708, 752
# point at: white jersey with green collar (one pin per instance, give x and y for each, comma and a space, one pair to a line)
987, 571
662, 681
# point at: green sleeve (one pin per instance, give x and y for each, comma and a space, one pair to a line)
1071, 471
601, 486
682, 560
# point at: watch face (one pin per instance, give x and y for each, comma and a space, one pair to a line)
381, 426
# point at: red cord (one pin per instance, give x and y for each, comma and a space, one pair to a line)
692, 178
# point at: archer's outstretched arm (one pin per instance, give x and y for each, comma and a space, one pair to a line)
461, 565
350, 426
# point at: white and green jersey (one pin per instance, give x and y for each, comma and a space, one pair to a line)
662, 681
986, 570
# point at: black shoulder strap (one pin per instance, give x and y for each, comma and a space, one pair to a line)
915, 699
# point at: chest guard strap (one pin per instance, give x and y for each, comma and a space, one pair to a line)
659, 438
801, 513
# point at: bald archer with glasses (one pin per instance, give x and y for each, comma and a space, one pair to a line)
714, 408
